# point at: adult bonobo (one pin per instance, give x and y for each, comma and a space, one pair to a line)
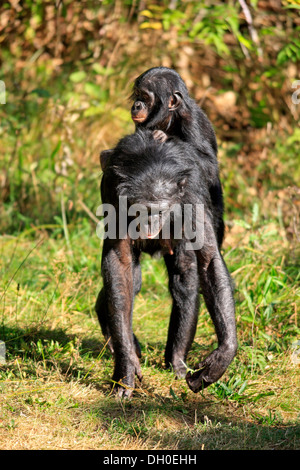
161, 103
158, 181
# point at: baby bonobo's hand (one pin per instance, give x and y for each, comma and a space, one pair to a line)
159, 135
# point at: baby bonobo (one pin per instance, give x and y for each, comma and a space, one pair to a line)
161, 103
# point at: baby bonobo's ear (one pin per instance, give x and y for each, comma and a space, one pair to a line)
175, 101
104, 156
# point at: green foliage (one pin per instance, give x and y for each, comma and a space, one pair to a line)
215, 23
291, 51
232, 390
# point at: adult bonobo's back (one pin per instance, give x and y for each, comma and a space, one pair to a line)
161, 103
160, 180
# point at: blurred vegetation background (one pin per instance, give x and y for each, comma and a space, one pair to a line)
68, 67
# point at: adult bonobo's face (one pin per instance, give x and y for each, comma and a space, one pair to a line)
156, 197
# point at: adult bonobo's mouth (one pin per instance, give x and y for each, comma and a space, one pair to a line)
152, 224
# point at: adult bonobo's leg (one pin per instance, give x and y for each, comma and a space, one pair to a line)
184, 288
137, 284
102, 306
118, 285
216, 287
102, 313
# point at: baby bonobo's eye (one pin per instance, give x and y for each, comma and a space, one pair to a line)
144, 97
147, 96
136, 96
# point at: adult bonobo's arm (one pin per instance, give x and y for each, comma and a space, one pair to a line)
217, 291
118, 284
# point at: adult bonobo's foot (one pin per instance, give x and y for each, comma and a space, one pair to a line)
122, 391
211, 369
124, 382
176, 364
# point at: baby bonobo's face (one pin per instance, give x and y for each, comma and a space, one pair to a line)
142, 106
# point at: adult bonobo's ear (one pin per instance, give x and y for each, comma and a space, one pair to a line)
104, 156
175, 101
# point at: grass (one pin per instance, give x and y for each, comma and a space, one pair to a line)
55, 385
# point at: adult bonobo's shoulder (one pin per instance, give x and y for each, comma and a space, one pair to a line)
168, 210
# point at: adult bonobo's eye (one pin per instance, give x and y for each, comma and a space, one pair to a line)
182, 184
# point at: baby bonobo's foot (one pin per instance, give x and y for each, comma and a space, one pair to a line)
160, 136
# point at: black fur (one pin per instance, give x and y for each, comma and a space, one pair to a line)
187, 121
147, 171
